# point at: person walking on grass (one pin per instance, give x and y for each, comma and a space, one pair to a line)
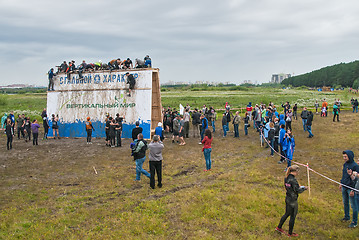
89, 129
291, 200
155, 156
349, 166
35, 132
9, 133
139, 154
309, 124
336, 111
207, 149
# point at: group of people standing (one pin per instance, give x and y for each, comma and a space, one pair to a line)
25, 128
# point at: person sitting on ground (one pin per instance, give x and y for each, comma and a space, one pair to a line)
127, 64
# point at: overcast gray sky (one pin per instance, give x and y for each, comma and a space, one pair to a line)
208, 40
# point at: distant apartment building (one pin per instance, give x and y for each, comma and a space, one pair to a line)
278, 78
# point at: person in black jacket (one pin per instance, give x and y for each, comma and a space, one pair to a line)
9, 133
291, 200
139, 154
137, 130
349, 200
309, 124
271, 134
45, 123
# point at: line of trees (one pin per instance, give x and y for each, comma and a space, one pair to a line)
343, 74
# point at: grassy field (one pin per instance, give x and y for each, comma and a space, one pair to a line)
52, 191
32, 104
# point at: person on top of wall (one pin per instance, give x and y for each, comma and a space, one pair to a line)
148, 61
114, 64
51, 80
140, 63
127, 64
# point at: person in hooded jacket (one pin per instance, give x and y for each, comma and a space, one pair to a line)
281, 144
288, 147
276, 134
346, 180
291, 199
355, 177
281, 119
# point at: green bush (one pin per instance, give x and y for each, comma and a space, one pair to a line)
3, 100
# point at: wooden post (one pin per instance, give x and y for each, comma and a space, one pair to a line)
308, 178
156, 115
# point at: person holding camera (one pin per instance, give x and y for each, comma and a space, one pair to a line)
288, 147
291, 200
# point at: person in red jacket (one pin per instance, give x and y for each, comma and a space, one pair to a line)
207, 148
249, 109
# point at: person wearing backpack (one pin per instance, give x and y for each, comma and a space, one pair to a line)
55, 126
335, 111
139, 154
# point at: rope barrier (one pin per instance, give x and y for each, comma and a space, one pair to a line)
307, 166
